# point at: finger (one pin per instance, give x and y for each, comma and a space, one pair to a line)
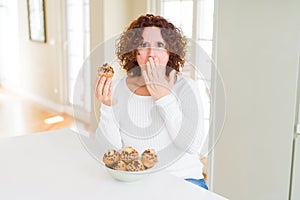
101, 84
143, 67
106, 87
159, 69
154, 67
149, 71
97, 85
172, 77
146, 78
162, 72
110, 89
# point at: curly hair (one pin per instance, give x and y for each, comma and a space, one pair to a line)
131, 38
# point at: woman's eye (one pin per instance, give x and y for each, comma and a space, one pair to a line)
160, 44
154, 45
144, 45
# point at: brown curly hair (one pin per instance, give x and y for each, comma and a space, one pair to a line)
131, 38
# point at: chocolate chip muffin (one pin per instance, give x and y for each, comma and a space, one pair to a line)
106, 70
135, 166
149, 158
129, 154
119, 165
110, 157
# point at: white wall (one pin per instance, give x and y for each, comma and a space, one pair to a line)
2, 36
257, 55
110, 17
41, 65
9, 50
116, 17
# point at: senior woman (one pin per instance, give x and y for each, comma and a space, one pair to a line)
153, 106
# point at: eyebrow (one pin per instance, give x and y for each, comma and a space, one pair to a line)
153, 41
162, 41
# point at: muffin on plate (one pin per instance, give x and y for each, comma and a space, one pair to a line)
119, 165
110, 157
135, 166
129, 154
149, 158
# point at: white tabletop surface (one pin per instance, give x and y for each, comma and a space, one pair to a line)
55, 165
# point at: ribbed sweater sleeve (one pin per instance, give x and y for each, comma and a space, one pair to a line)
108, 127
199, 136
170, 109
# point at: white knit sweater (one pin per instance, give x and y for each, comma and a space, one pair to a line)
172, 125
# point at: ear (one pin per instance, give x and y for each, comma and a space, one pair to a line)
137, 53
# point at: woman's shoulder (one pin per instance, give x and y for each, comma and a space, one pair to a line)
185, 84
119, 79
184, 80
188, 90
119, 82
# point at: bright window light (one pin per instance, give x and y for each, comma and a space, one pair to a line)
53, 120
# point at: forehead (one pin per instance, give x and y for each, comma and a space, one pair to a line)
152, 34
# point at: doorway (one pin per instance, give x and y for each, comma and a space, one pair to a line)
9, 48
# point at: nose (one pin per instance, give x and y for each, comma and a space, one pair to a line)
152, 52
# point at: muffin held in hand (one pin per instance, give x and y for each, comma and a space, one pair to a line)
110, 157
106, 70
149, 158
135, 166
119, 165
129, 154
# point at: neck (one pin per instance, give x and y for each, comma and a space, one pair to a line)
139, 81
137, 85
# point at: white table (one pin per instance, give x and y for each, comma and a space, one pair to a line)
55, 165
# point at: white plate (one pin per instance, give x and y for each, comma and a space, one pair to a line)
126, 176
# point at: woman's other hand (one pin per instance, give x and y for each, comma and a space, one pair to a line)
156, 81
103, 90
